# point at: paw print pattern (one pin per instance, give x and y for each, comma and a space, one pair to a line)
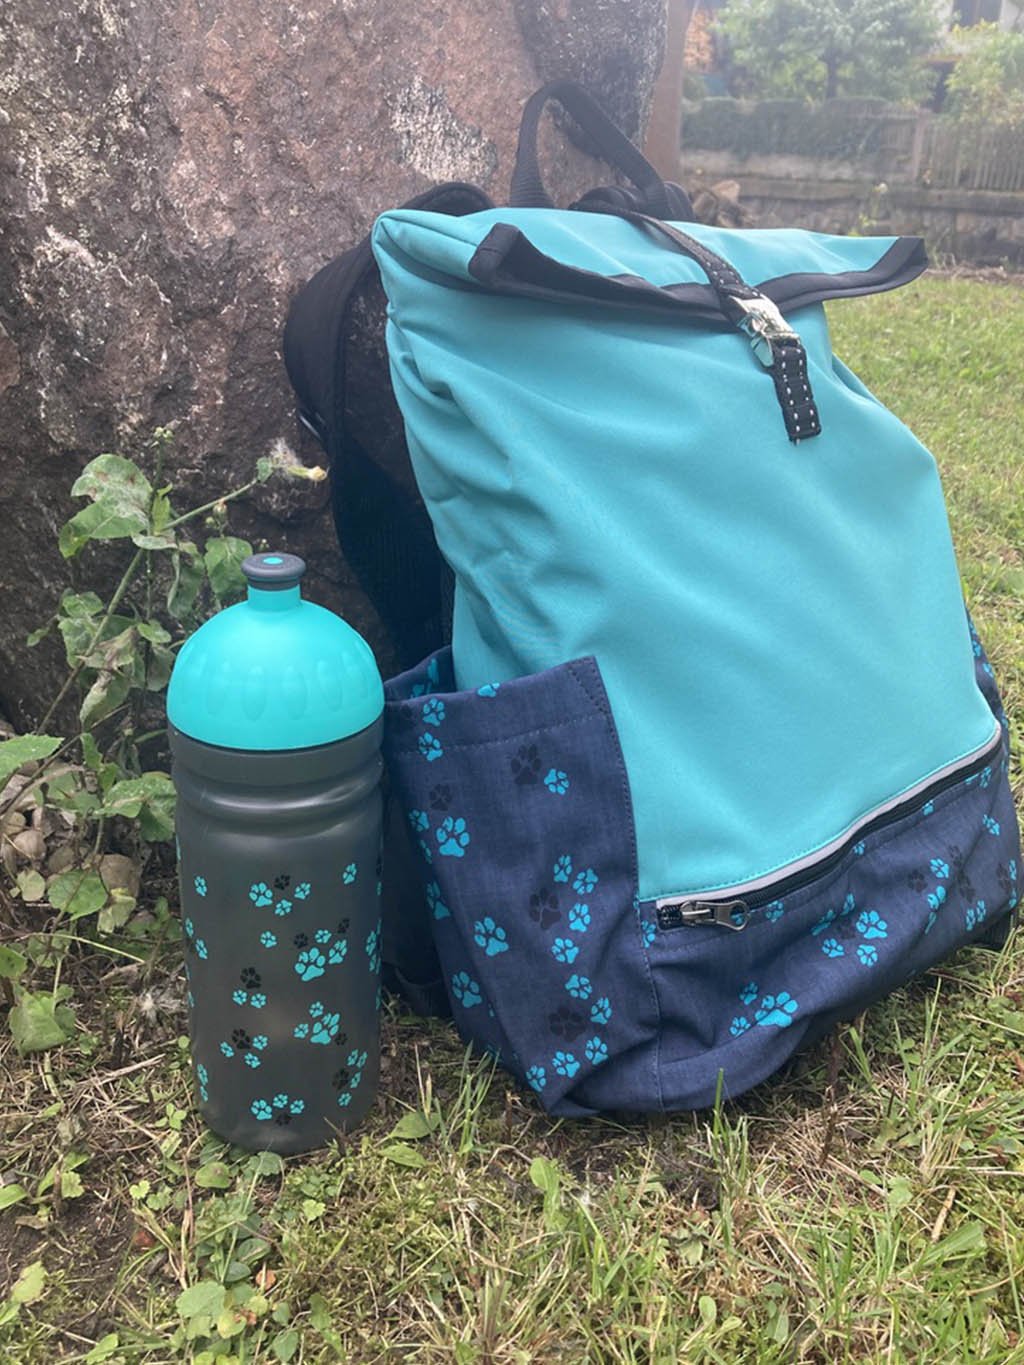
282, 908
373, 948
488, 690
203, 1077
564, 950
937, 897
200, 886
858, 849
282, 881
567, 1022
432, 680
433, 711
466, 990
585, 881
268, 939
350, 874
310, 964
579, 918
537, 1078
430, 747
261, 1109
556, 782
322, 1028
749, 993
281, 1109
1007, 876
870, 924
739, 1025
452, 837
596, 1051
975, 915
261, 895
579, 987
435, 904
601, 1010
776, 1010
250, 993
440, 797
491, 937
917, 881
526, 765
544, 908
991, 825
833, 948
867, 954
565, 1064
195, 945
302, 891
774, 911
562, 869
648, 932
939, 869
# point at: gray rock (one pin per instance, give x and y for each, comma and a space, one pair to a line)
170, 173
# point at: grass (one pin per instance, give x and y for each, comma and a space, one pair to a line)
866, 1205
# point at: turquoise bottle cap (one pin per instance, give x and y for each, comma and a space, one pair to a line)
274, 671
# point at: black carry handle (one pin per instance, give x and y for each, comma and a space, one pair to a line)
656, 197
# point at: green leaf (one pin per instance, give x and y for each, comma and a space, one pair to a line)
28, 1287
404, 1155
32, 886
77, 893
223, 560
39, 1022
414, 1125
150, 799
161, 511
103, 1350
108, 692
285, 1344
266, 1164
12, 963
215, 1175
205, 1299
158, 672
186, 581
100, 521
114, 477
117, 913
91, 756
154, 632
34, 637
320, 1317
24, 749
545, 1175
963, 1241
12, 1194
162, 541
71, 1186
264, 468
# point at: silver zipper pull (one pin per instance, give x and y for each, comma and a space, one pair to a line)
726, 914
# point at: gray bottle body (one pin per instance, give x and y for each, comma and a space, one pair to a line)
279, 858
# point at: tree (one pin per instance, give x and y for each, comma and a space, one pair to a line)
987, 82
825, 48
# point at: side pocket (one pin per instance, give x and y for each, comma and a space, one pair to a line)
517, 797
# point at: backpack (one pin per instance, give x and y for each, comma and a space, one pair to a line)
714, 757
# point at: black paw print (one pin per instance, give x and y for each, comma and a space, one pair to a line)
526, 765
441, 797
282, 1118
342, 926
918, 881
241, 1039
567, 1022
341, 1038
341, 1078
544, 908
282, 882
250, 978
1004, 879
301, 940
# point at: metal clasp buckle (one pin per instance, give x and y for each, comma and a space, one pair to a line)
762, 322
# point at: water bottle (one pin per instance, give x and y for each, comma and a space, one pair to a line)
274, 709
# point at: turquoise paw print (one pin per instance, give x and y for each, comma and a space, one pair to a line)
928, 808
302, 891
491, 937
859, 848
466, 990
430, 747
579, 917
337, 951
749, 993
198, 945
557, 782
260, 894
827, 918
939, 868
488, 690
833, 948
937, 897
565, 1064
452, 837
227, 1050
310, 964
601, 1010
432, 680
203, 1077
774, 912
932, 917
562, 870
325, 1029
777, 1010
739, 1025
426, 851
350, 874
976, 915
579, 987
433, 711
435, 904
200, 885
355, 1059
268, 939
261, 1109
373, 948
985, 778
537, 1078
585, 881
345, 1098
867, 953
281, 1108
870, 924
419, 820
597, 1051
564, 950
991, 825
282, 908
648, 932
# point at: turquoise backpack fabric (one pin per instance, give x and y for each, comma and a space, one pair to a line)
778, 625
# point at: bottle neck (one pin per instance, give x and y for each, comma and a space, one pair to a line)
284, 599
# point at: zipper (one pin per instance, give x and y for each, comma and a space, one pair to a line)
731, 911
